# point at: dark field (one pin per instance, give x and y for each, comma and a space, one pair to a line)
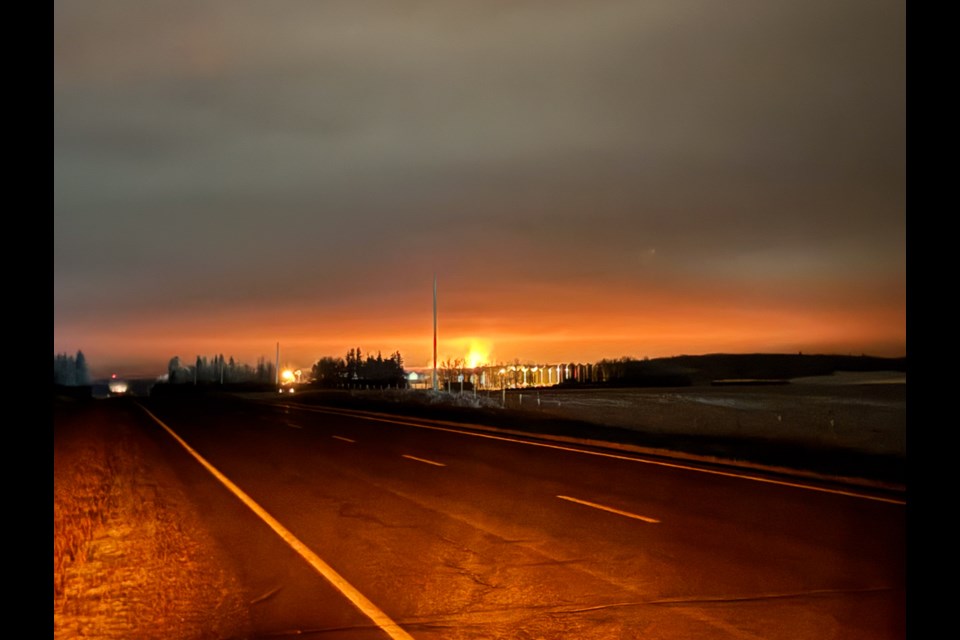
851, 425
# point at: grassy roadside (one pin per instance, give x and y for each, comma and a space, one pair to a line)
130, 558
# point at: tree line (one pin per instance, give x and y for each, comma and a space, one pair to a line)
219, 370
356, 370
71, 371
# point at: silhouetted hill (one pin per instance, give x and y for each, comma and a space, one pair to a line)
770, 366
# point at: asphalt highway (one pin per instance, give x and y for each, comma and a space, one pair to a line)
347, 526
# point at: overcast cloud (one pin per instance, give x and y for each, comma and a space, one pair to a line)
200, 145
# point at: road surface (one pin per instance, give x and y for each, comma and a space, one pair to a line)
351, 527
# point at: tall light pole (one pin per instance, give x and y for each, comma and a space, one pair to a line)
435, 332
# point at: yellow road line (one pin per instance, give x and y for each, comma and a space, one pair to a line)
344, 439
360, 601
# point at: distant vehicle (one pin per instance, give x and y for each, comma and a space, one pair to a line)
117, 387
287, 388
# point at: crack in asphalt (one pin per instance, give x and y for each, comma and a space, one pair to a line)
463, 571
283, 633
266, 596
552, 609
548, 563
769, 596
348, 510
721, 599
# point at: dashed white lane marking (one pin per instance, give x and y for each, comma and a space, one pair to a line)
359, 600
673, 465
344, 439
436, 464
295, 426
610, 509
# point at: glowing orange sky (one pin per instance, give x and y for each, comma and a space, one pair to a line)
587, 180
585, 326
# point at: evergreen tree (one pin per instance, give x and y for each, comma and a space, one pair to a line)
173, 370
82, 376
70, 370
64, 369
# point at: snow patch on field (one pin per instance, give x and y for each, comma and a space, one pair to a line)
752, 404
870, 418
855, 377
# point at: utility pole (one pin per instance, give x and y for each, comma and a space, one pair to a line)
276, 371
435, 332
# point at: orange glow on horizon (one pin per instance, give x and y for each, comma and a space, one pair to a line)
586, 326
478, 354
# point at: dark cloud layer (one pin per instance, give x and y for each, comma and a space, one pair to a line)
202, 148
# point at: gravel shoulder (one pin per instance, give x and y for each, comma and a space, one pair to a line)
132, 558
